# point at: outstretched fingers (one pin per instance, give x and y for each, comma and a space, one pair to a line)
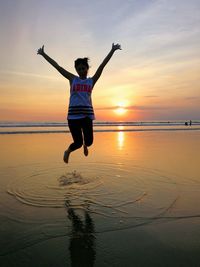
40, 50
116, 47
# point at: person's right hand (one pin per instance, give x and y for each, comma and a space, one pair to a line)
116, 47
41, 51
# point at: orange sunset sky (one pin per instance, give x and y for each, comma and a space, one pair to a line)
156, 75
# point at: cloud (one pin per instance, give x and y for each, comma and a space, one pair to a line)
136, 107
192, 98
151, 96
28, 74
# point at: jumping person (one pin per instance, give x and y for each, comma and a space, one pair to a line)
80, 112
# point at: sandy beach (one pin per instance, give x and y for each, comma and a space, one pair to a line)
134, 201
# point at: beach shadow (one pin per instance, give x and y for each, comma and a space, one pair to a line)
82, 240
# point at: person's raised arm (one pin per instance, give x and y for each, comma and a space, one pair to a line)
64, 72
105, 61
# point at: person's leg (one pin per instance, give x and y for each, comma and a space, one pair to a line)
87, 126
76, 132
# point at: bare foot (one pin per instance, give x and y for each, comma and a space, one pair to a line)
85, 150
66, 155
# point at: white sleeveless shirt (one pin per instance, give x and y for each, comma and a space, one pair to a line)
80, 102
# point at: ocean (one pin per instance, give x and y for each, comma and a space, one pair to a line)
133, 201
99, 126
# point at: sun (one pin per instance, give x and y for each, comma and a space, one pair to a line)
120, 111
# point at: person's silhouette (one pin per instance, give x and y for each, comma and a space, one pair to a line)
82, 240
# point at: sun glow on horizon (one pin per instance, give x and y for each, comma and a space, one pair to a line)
120, 109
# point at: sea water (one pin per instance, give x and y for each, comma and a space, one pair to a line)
62, 127
134, 201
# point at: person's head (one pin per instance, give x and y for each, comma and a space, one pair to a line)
82, 67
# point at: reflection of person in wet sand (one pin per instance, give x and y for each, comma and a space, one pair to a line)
82, 241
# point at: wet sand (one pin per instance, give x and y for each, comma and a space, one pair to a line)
134, 201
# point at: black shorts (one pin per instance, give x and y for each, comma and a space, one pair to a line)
81, 131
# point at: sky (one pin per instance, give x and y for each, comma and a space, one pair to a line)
156, 75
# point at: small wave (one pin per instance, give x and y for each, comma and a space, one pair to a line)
99, 123
59, 127
138, 129
134, 190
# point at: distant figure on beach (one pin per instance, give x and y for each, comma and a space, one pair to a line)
80, 111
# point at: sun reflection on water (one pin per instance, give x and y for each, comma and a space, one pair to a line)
120, 137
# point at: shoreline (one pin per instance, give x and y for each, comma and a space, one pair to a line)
102, 130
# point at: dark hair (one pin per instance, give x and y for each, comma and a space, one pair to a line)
83, 61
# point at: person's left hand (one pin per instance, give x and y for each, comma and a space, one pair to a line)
41, 51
